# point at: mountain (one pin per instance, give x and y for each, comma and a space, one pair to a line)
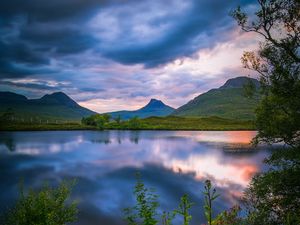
153, 108
239, 82
56, 106
226, 101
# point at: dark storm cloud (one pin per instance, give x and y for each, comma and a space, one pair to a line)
36, 86
48, 10
60, 26
63, 40
76, 41
202, 25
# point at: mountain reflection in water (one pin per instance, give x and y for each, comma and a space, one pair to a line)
104, 164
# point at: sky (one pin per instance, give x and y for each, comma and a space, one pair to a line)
118, 54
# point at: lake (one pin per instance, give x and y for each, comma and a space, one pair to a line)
105, 162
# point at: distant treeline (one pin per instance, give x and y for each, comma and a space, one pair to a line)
105, 121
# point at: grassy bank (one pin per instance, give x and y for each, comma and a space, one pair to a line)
210, 123
152, 123
41, 127
181, 123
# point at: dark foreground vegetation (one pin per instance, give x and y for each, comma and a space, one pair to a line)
52, 206
48, 206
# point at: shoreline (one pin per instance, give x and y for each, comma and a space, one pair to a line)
154, 123
142, 129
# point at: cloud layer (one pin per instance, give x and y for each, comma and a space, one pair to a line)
107, 54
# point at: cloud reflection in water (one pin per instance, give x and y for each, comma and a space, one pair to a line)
105, 162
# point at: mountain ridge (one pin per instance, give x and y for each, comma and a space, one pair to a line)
153, 108
57, 106
227, 101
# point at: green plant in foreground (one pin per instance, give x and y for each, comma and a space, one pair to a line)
145, 210
210, 196
184, 207
167, 218
45, 207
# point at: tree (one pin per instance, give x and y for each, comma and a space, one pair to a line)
273, 197
96, 120
278, 64
46, 207
7, 115
134, 123
118, 119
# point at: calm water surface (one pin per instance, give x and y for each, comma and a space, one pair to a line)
104, 164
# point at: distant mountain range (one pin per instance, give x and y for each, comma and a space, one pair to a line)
153, 108
56, 106
226, 101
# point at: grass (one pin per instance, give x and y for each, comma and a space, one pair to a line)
224, 103
182, 123
152, 123
41, 127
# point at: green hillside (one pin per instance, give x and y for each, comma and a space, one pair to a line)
208, 123
227, 101
55, 107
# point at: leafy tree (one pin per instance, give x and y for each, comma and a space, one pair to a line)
46, 207
278, 64
273, 197
88, 121
118, 119
229, 217
106, 117
249, 89
134, 123
7, 115
97, 120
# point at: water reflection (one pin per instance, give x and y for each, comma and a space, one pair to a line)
105, 162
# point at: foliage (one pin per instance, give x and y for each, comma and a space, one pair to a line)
274, 197
7, 115
152, 123
145, 210
183, 209
249, 89
118, 119
229, 217
49, 126
46, 207
209, 196
96, 120
134, 123
278, 64
167, 218
181, 123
